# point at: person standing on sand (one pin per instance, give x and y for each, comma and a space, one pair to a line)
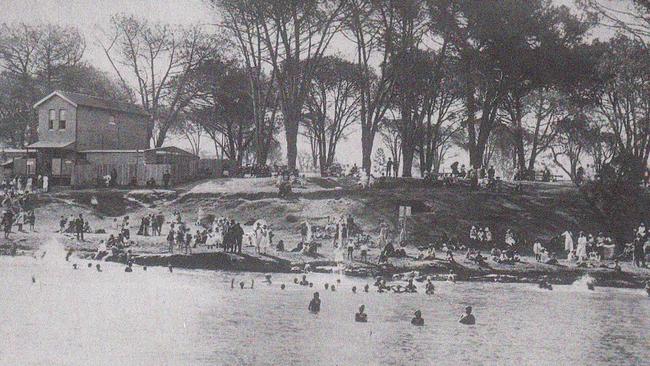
79, 227
238, 236
581, 251
568, 241
46, 183
170, 241
7, 222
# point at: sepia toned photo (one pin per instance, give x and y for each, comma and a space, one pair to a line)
324, 182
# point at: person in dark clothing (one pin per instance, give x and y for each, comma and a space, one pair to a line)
79, 227
639, 254
166, 178
314, 304
239, 236
389, 167
467, 318
113, 177
361, 317
418, 320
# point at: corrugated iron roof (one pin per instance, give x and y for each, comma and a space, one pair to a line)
95, 102
50, 145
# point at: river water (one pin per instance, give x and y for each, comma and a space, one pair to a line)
153, 317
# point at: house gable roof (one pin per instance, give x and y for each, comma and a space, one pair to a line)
78, 99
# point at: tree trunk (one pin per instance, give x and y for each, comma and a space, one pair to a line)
367, 142
407, 160
291, 133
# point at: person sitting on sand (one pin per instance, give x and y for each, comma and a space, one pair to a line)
314, 304
552, 259
617, 266
417, 320
467, 318
361, 317
410, 287
298, 248
543, 284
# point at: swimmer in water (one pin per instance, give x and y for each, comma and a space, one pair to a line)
232, 283
327, 285
361, 317
282, 287
333, 288
90, 265
267, 278
429, 288
304, 281
311, 284
67, 256
417, 320
366, 288
144, 268
295, 280
338, 280
591, 285
545, 285
451, 277
314, 304
354, 289
171, 269
74, 266
33, 279
467, 318
128, 268
99, 268
241, 285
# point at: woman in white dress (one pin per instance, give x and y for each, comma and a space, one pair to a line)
568, 242
264, 241
258, 237
581, 251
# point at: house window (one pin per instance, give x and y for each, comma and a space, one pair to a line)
62, 119
52, 117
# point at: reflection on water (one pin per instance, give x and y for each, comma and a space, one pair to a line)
155, 317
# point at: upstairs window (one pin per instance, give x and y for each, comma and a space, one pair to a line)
62, 119
52, 117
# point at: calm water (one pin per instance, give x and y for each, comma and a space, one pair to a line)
193, 318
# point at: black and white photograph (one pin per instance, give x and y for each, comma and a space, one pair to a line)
324, 182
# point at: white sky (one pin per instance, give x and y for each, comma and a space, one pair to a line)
93, 16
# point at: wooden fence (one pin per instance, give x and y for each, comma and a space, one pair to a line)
87, 174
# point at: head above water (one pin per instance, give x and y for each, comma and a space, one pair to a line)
282, 287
